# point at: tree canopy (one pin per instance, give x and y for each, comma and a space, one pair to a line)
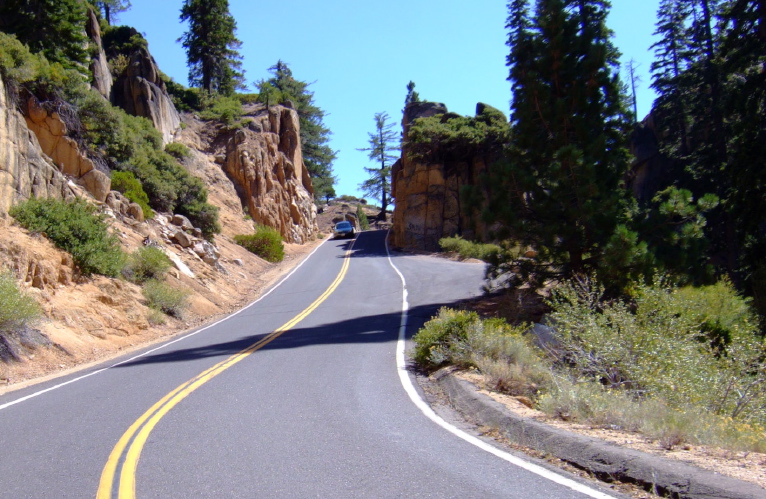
212, 47
383, 142
55, 28
559, 191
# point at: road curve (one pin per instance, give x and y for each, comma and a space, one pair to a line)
297, 395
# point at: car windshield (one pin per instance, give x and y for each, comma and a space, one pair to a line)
343, 225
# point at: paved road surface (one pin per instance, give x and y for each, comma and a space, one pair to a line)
297, 395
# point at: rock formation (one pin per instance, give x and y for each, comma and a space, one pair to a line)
102, 77
141, 92
24, 170
427, 196
51, 132
265, 161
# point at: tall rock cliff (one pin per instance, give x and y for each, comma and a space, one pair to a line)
140, 91
427, 189
265, 162
102, 77
24, 170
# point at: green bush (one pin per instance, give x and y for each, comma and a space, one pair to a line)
77, 228
131, 188
468, 249
441, 335
266, 242
177, 150
17, 309
165, 298
458, 137
147, 263
690, 347
364, 223
221, 108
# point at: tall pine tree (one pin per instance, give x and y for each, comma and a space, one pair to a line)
211, 46
559, 191
383, 142
55, 28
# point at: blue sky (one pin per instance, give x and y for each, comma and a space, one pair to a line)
361, 55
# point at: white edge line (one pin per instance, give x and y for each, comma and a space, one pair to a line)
60, 385
404, 377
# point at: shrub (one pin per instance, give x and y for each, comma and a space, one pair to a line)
442, 334
165, 298
131, 188
17, 309
221, 108
468, 249
177, 150
147, 263
660, 345
364, 224
266, 243
458, 137
76, 228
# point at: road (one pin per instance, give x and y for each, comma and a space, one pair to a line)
297, 395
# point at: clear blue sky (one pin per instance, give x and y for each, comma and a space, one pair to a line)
361, 55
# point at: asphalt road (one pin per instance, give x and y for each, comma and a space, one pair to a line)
297, 395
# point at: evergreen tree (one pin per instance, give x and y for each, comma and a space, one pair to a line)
412, 95
211, 46
111, 8
382, 143
315, 136
55, 28
559, 191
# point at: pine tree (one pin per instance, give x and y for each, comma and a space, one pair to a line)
317, 154
211, 46
559, 191
383, 141
55, 28
111, 8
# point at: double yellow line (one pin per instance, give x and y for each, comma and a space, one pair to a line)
128, 448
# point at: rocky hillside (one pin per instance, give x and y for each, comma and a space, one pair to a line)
253, 173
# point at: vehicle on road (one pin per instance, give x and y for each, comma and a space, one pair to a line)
343, 229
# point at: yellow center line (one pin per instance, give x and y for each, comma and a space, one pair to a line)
136, 436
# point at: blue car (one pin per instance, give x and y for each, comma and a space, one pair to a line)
343, 229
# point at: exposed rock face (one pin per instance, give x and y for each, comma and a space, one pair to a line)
266, 163
141, 92
24, 170
102, 77
51, 135
428, 205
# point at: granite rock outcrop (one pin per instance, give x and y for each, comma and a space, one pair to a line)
25, 171
265, 161
427, 191
140, 91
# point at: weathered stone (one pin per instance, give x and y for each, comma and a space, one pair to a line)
182, 238
428, 205
140, 91
24, 169
97, 184
182, 221
268, 169
135, 211
102, 77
